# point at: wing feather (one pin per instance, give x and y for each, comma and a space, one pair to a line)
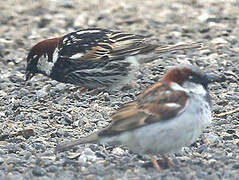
159, 103
101, 44
105, 45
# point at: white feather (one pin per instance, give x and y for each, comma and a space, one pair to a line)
133, 60
44, 65
195, 88
177, 87
172, 105
87, 31
55, 55
171, 135
189, 87
76, 56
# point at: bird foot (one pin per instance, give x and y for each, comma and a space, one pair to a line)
169, 161
155, 163
162, 164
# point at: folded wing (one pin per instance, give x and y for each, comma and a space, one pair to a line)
157, 104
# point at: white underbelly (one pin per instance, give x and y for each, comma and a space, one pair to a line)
167, 136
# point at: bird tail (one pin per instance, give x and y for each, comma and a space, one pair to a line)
70, 144
165, 49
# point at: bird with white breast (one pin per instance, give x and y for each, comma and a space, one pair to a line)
166, 117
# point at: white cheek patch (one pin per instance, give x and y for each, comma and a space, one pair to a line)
195, 88
76, 56
44, 66
177, 87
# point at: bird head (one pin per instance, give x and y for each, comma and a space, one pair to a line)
41, 57
191, 78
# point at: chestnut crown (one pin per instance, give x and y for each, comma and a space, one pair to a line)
190, 73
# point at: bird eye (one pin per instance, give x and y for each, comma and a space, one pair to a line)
190, 77
194, 78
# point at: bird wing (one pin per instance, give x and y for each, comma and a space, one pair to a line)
157, 104
105, 45
102, 44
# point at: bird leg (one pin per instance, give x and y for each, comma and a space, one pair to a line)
82, 90
169, 161
154, 162
86, 90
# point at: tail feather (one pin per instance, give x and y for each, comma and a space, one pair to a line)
163, 49
70, 144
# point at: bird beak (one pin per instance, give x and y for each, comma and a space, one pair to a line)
213, 78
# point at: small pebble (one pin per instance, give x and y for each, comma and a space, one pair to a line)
38, 171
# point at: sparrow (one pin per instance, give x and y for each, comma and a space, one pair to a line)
93, 58
165, 117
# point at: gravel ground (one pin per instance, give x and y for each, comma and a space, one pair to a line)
36, 117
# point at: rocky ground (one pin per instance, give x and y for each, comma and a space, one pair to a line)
36, 117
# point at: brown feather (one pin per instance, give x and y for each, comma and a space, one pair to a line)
96, 54
152, 106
